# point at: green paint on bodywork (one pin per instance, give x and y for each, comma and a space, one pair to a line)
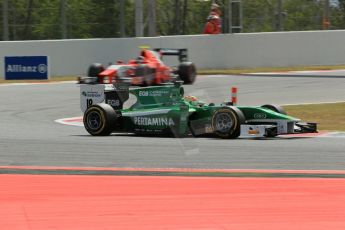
155, 95
259, 113
164, 109
158, 109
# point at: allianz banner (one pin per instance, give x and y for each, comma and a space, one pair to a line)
26, 68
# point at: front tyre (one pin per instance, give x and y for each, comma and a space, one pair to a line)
226, 122
99, 120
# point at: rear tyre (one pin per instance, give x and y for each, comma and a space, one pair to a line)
187, 72
226, 122
99, 120
275, 108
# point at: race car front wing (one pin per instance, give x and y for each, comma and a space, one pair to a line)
281, 128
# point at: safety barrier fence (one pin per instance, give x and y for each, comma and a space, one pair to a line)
72, 57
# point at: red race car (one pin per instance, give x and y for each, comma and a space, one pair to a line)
147, 69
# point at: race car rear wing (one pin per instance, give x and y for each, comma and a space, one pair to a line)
114, 95
181, 53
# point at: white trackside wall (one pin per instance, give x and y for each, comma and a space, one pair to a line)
72, 57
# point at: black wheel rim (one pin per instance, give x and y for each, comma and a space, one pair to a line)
94, 121
224, 122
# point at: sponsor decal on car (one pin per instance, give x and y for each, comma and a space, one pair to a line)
154, 121
91, 94
153, 93
114, 103
260, 116
253, 131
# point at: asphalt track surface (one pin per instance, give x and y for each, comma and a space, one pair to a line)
30, 137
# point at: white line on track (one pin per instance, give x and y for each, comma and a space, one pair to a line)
73, 121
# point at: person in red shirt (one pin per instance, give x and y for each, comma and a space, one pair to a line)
214, 23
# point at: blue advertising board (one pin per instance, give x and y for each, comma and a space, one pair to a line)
26, 68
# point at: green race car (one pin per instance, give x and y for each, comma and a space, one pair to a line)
164, 110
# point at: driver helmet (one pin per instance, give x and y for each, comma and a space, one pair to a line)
140, 59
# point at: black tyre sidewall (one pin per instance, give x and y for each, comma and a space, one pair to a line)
108, 119
187, 72
237, 120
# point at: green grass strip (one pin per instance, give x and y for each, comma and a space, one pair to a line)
329, 116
